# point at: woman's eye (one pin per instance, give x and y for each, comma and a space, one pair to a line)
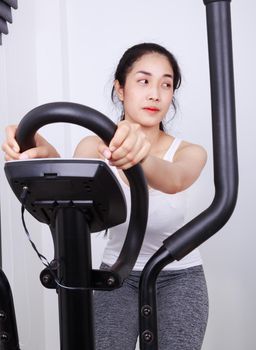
143, 81
167, 85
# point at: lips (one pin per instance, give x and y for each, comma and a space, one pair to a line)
151, 109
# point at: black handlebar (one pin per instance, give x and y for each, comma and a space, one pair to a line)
98, 123
65, 112
224, 137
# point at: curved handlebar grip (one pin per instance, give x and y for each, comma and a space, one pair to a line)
97, 122
63, 112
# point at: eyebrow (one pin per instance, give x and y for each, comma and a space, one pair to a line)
149, 74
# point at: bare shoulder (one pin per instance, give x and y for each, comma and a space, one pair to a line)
192, 152
88, 147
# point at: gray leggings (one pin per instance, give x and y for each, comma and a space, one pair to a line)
182, 303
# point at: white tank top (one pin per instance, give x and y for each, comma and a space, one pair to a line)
165, 216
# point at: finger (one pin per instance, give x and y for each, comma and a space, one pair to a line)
125, 164
131, 159
129, 146
9, 152
10, 138
104, 150
122, 132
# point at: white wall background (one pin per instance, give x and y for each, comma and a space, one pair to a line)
68, 50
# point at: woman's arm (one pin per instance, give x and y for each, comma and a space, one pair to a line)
130, 146
176, 176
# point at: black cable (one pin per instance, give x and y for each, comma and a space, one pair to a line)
44, 260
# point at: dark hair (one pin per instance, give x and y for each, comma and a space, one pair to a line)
136, 52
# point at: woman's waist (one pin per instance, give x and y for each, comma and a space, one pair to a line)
192, 259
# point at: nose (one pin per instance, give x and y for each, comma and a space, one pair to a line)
153, 94
154, 98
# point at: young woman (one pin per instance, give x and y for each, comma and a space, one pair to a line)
145, 82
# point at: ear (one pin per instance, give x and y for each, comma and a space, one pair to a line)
119, 90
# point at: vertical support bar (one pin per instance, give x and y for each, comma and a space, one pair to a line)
147, 299
225, 160
213, 218
73, 256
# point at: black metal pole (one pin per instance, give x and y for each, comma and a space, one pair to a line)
224, 136
147, 301
9, 339
212, 219
73, 256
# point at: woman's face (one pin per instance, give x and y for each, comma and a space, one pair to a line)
148, 90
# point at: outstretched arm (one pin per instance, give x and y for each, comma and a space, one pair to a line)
176, 176
130, 146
